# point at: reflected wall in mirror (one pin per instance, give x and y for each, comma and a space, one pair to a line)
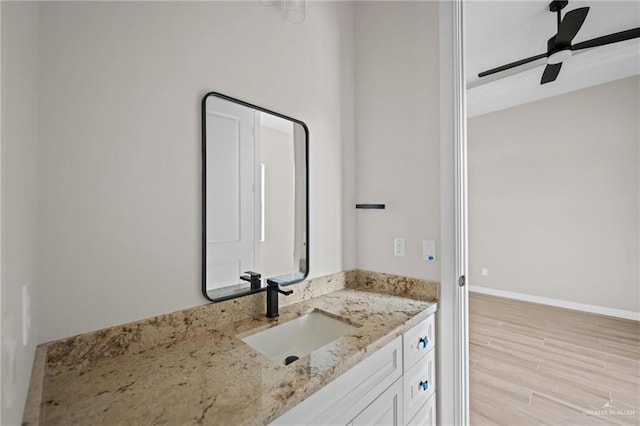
255, 198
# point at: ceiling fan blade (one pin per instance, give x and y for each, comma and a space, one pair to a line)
550, 73
570, 25
512, 65
608, 39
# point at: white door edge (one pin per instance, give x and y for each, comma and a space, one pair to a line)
452, 363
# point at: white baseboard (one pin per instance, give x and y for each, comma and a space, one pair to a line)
618, 313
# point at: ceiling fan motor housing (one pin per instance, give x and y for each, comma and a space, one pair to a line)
557, 53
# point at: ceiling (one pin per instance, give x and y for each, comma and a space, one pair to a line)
499, 32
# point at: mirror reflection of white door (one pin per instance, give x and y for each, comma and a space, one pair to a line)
231, 210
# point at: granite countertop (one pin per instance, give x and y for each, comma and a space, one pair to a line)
210, 376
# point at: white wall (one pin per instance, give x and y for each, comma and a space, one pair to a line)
348, 152
397, 128
120, 91
554, 197
19, 198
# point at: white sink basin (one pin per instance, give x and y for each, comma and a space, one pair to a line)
298, 337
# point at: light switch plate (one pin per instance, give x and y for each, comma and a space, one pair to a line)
398, 247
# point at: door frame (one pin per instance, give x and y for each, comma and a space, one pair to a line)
453, 323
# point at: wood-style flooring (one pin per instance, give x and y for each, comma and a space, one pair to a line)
534, 364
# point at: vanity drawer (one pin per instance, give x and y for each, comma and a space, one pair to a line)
426, 416
419, 341
419, 384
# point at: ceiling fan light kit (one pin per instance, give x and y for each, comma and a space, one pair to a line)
559, 56
560, 47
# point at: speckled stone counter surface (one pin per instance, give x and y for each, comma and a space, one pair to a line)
191, 367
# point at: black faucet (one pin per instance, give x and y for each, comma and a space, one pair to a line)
273, 288
253, 278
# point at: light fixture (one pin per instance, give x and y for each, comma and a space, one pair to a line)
294, 11
559, 56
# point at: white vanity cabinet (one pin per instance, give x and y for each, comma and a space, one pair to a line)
393, 386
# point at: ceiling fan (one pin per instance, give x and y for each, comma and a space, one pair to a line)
559, 47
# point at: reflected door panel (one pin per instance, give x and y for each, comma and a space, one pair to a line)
230, 207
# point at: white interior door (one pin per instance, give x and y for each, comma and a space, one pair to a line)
230, 191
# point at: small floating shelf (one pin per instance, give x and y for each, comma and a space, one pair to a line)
370, 206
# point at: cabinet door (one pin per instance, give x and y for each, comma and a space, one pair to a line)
426, 416
385, 409
342, 399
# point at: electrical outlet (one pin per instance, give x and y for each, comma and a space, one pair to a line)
485, 272
398, 246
